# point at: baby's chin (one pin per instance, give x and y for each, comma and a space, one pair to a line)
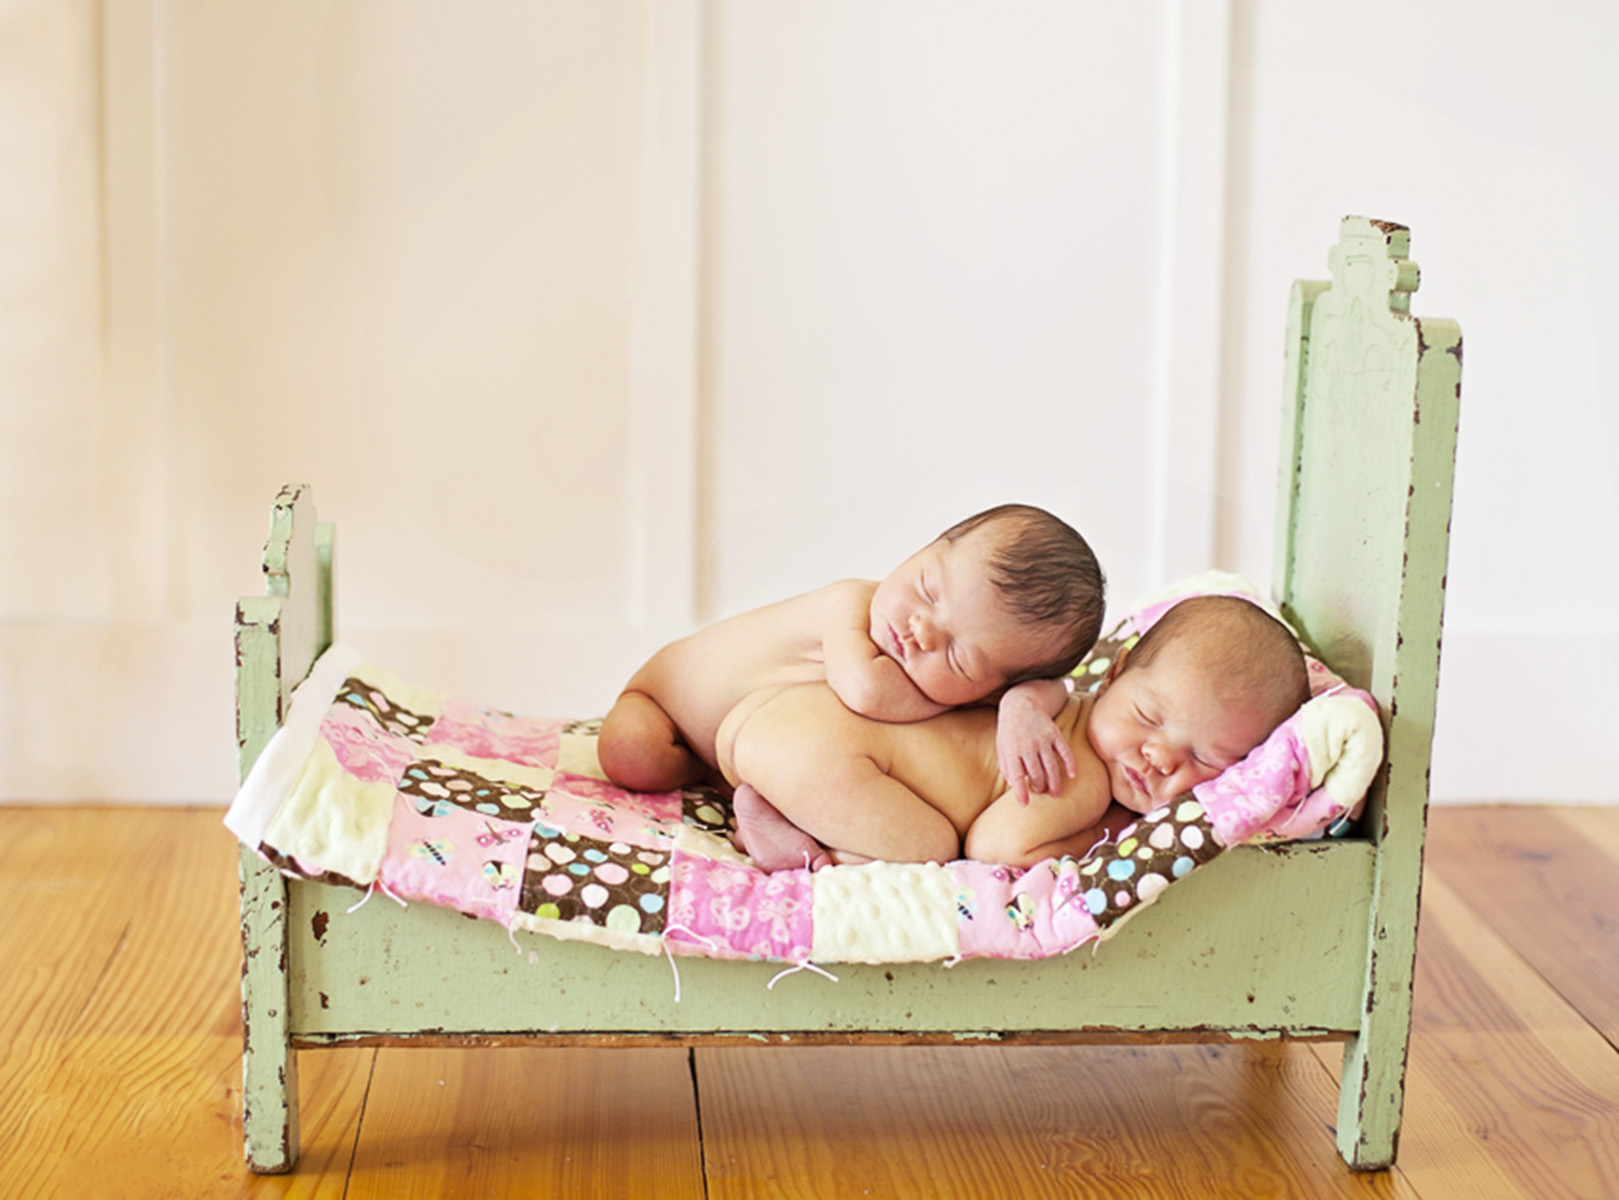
1127, 797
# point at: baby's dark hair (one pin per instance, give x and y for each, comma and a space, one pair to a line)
1044, 573
1238, 642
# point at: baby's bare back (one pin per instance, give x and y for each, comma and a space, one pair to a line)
698, 679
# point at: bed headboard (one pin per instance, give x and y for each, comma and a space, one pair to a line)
280, 635
1363, 516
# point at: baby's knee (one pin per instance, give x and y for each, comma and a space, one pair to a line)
996, 845
938, 841
639, 751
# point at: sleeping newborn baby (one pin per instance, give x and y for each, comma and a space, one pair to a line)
816, 783
1011, 596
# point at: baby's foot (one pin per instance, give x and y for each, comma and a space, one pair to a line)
770, 839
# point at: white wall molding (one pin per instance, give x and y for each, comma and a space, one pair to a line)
1189, 255
664, 329
137, 478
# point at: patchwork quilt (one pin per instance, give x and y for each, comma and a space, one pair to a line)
380, 784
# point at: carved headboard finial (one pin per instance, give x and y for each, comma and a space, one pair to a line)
1370, 263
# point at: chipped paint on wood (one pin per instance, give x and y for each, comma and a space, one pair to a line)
277, 639
721, 1039
1361, 562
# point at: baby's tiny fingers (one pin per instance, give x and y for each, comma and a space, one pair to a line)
1066, 753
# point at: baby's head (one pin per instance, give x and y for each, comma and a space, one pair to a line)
1202, 688
1010, 594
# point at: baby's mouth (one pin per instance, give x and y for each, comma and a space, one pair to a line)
897, 643
1137, 782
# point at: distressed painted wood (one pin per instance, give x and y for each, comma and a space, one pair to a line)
1363, 527
1309, 942
1221, 954
278, 638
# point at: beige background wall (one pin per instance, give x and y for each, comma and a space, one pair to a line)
591, 321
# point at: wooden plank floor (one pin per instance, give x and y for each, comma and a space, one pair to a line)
119, 1055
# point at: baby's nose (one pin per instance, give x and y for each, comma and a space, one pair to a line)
1158, 758
922, 631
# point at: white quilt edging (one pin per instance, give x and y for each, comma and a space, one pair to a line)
276, 770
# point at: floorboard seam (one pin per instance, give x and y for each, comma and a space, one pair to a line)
106, 968
697, 1107
359, 1124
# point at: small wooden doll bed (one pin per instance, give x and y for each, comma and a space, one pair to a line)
1307, 940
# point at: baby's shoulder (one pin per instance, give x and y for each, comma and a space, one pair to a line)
843, 595
845, 592
845, 603
1091, 788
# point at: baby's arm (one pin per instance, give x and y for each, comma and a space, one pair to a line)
1020, 834
1034, 755
868, 681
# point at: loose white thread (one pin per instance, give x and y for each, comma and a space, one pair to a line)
806, 965
375, 885
692, 933
1093, 940
669, 953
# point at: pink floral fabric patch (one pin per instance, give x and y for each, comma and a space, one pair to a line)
1005, 913
733, 910
488, 733
460, 859
587, 806
366, 751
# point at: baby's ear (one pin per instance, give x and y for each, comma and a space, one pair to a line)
1115, 668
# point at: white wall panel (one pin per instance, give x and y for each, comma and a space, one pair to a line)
588, 320
931, 280
437, 261
402, 263
53, 542
1493, 132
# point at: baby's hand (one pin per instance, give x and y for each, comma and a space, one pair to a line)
1033, 754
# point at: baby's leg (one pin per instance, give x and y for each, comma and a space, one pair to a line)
819, 765
772, 841
859, 812
640, 748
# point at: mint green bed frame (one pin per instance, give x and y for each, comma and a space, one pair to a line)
1309, 941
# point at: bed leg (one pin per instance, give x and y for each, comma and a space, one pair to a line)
1370, 1101
269, 1064
1371, 1094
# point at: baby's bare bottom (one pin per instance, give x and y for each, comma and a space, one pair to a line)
640, 748
815, 768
